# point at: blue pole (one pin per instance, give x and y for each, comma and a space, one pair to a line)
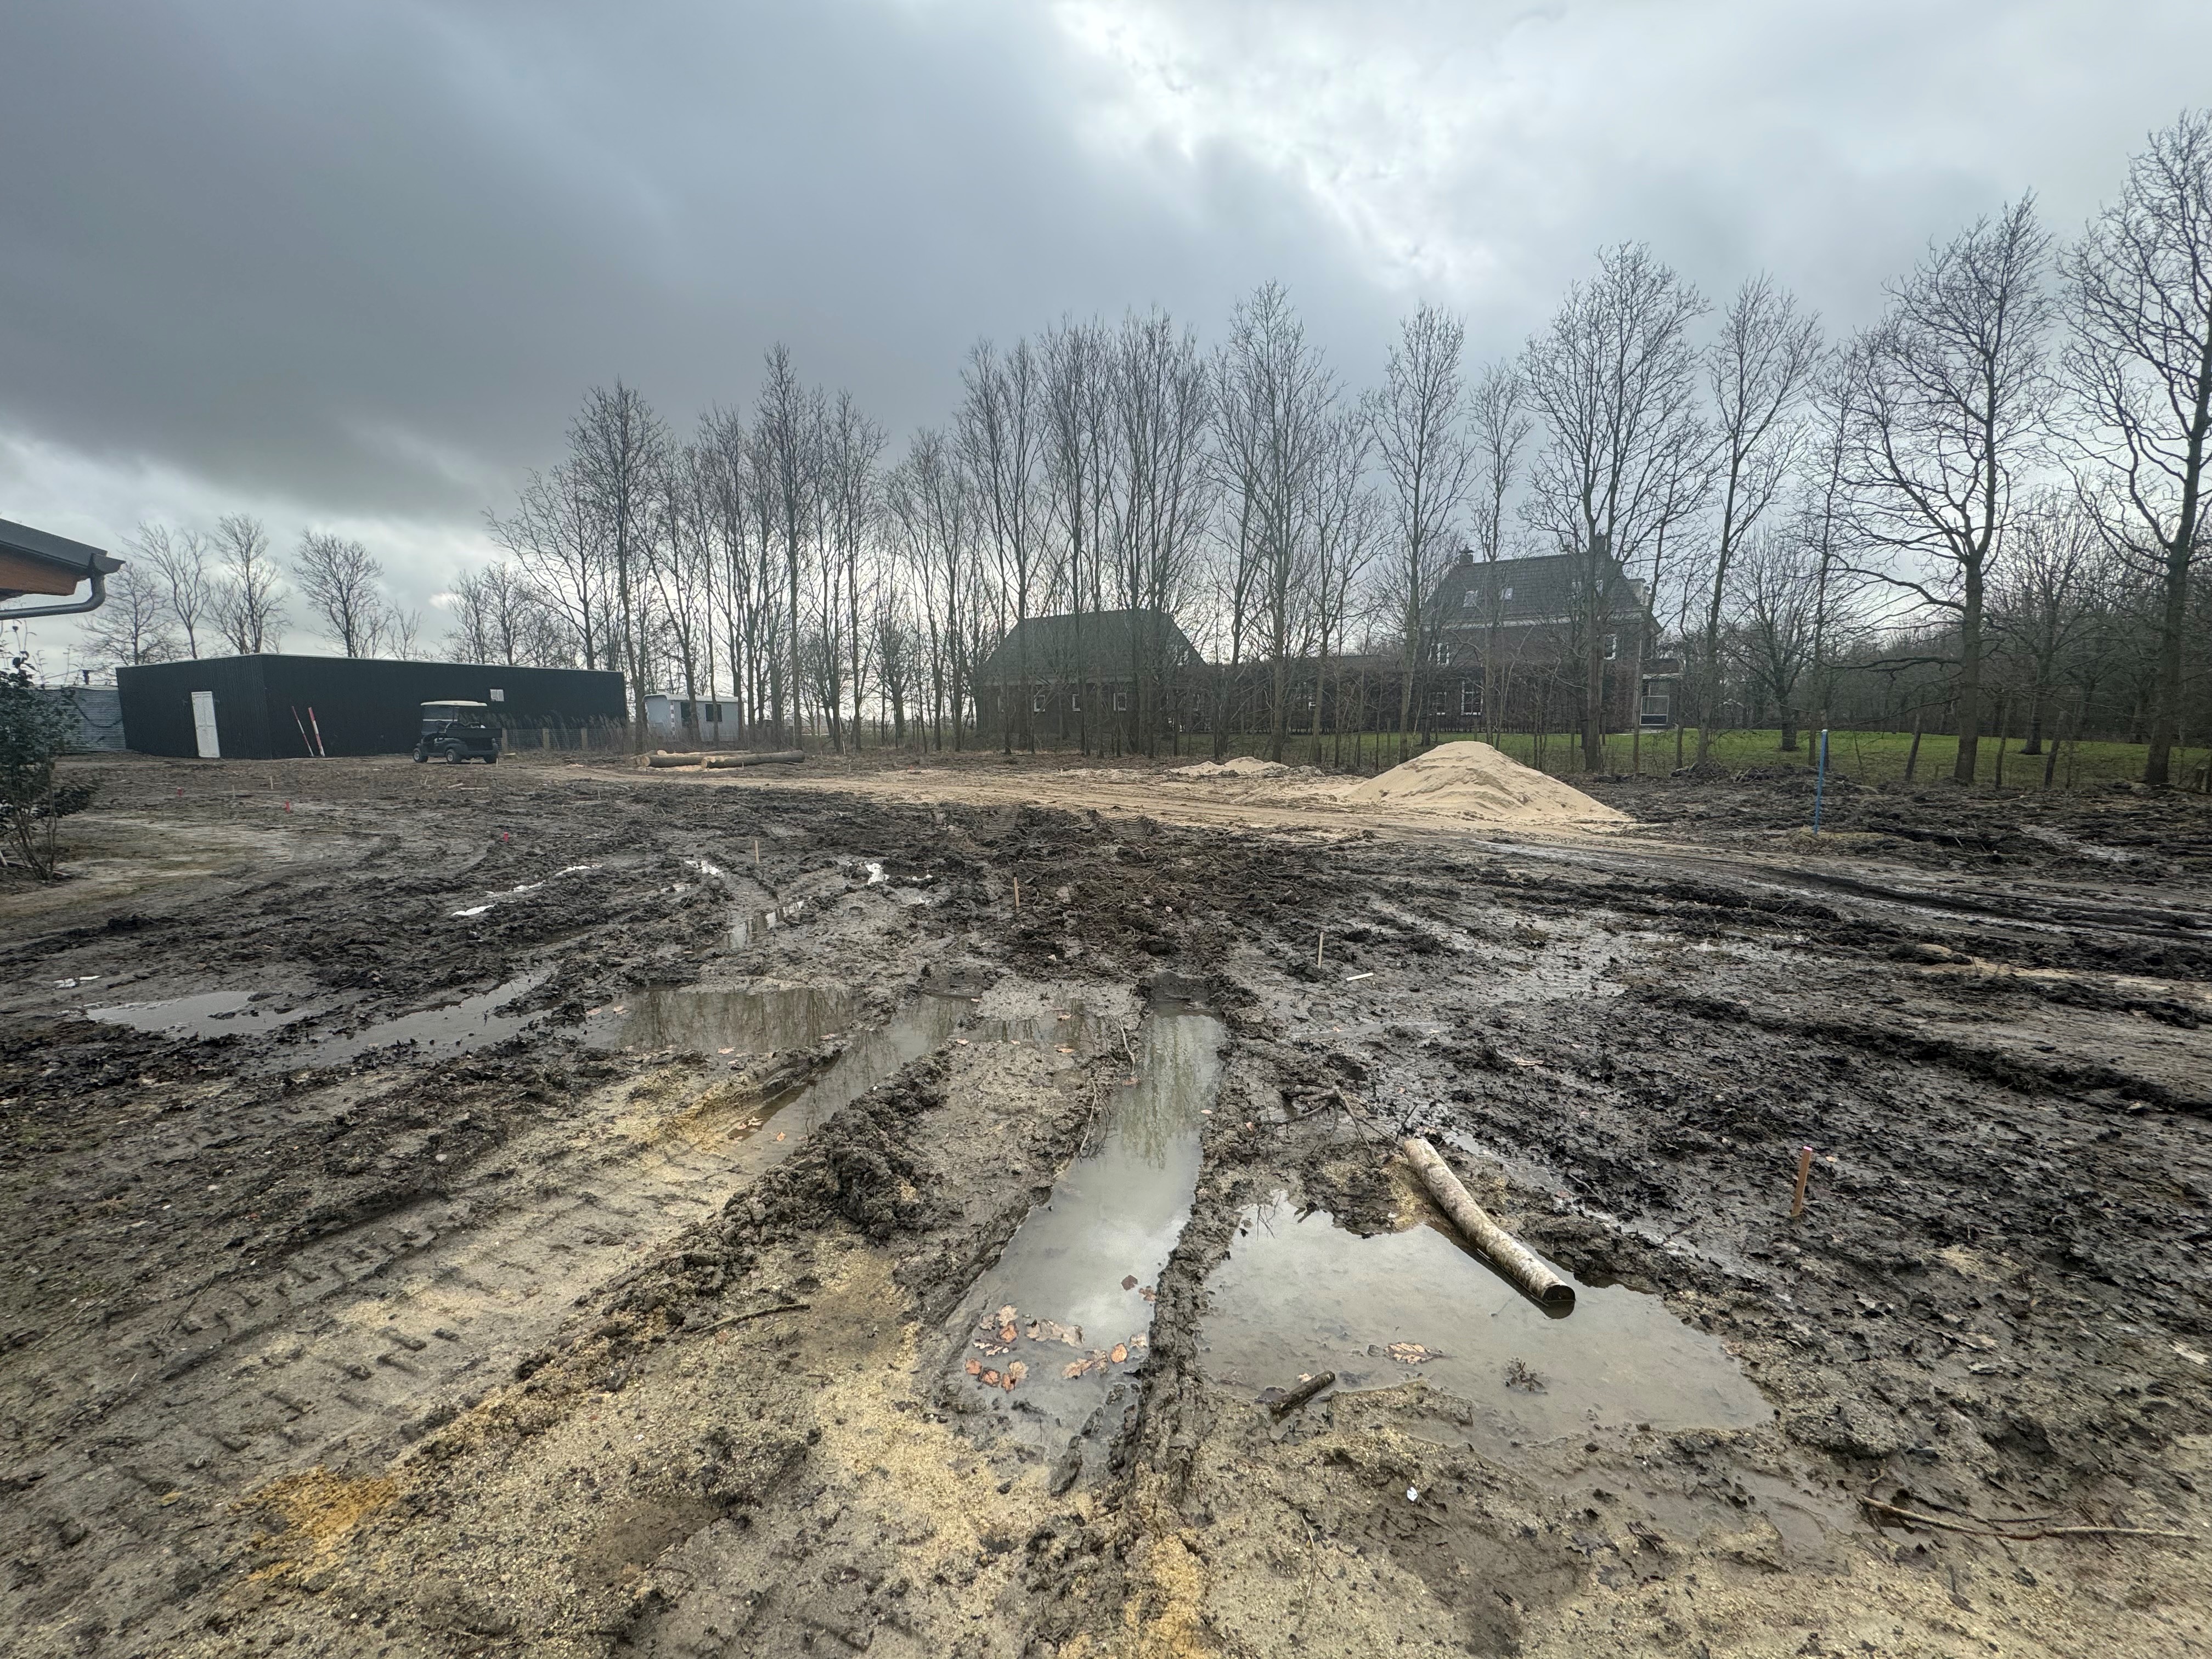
1821, 781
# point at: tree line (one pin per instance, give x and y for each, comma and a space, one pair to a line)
1988, 503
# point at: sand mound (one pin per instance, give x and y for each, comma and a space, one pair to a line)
1242, 766
1471, 780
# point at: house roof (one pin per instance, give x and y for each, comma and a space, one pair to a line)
1546, 588
1046, 647
35, 562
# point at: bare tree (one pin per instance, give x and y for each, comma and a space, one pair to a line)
343, 583
1498, 426
553, 533
1758, 370
501, 617
1948, 396
1347, 519
179, 561
618, 447
249, 607
1614, 381
788, 429
1420, 431
1775, 590
132, 627
2140, 362
2042, 596
1160, 504
1272, 411
1001, 437
852, 451
1078, 427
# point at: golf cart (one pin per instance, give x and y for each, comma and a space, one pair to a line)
457, 731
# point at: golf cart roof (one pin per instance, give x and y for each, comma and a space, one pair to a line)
454, 703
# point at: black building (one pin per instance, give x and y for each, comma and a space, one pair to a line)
274, 707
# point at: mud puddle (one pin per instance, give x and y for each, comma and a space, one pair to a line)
206, 1014
761, 1019
1299, 1295
474, 1022
1067, 1311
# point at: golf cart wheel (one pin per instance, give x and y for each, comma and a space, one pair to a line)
420, 758
491, 760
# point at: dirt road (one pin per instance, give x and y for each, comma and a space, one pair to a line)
558, 1210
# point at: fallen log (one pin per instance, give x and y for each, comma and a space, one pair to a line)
1505, 1253
771, 758
667, 759
1305, 1391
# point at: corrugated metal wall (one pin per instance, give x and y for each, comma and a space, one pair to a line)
363, 705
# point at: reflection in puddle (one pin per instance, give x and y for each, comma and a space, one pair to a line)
1295, 1296
869, 1059
709, 1020
1079, 1271
473, 1023
210, 1013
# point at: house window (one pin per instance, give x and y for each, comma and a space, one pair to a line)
498, 695
1470, 697
1507, 594
1075, 702
1036, 701
714, 713
1440, 652
1121, 703
1466, 600
1611, 647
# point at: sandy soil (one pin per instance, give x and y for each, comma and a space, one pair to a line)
526, 1245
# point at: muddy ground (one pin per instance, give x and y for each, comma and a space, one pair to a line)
524, 1247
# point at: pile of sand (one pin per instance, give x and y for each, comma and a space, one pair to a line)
1471, 780
1242, 766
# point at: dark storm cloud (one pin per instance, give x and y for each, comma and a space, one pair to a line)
361, 255
358, 262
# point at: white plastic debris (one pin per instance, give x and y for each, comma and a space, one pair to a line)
1413, 1494
473, 910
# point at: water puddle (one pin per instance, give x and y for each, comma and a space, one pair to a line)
1068, 1310
474, 1022
764, 1019
209, 1014
869, 1059
1300, 1295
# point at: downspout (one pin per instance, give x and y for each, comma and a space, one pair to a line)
69, 608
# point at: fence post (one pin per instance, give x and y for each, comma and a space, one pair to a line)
1821, 781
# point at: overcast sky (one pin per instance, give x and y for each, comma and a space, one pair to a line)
353, 266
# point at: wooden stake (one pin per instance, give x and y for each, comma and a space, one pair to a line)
1318, 944
1804, 1169
1017, 895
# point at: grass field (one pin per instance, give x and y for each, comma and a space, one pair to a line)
1865, 757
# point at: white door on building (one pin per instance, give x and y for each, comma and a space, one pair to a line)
204, 725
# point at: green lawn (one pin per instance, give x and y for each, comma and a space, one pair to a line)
1867, 757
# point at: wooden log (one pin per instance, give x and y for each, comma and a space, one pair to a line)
1507, 1253
746, 757
1305, 1391
667, 759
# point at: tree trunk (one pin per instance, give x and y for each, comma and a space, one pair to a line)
1969, 677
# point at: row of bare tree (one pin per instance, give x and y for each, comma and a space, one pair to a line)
182, 592
2015, 448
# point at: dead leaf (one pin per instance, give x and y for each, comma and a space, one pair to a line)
1006, 1334
975, 1368
1065, 1050
990, 1379
725, 1051
1409, 1354
1151, 1293
1051, 1330
1120, 1353
779, 1134
1074, 1367
1129, 1282
1139, 1342
1007, 1314
1016, 1372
